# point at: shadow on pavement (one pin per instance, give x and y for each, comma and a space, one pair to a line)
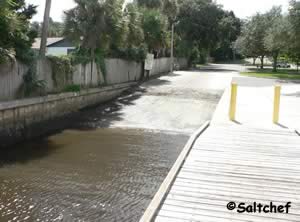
296, 94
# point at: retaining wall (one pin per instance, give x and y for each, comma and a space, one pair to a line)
120, 71
160, 66
27, 118
11, 79
117, 71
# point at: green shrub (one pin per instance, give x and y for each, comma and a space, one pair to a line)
72, 88
31, 85
62, 70
137, 54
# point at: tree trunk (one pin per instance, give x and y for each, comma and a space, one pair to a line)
297, 66
275, 58
262, 62
43, 45
254, 61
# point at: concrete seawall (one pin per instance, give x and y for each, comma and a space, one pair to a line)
27, 118
86, 75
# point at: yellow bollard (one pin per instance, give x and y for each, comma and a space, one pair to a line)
232, 109
276, 104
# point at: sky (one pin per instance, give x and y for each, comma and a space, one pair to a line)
242, 8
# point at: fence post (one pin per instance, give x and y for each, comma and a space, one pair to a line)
276, 104
232, 109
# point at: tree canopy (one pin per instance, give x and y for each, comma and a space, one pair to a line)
146, 24
293, 50
272, 34
55, 29
202, 28
16, 37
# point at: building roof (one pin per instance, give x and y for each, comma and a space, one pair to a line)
50, 41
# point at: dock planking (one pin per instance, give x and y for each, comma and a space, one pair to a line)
234, 163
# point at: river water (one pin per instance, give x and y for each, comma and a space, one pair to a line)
107, 163
98, 175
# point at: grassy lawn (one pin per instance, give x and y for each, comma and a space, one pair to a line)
288, 74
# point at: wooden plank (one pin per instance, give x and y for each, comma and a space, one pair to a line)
239, 181
170, 219
233, 193
237, 186
245, 168
166, 185
271, 176
217, 211
222, 209
236, 164
241, 190
217, 202
181, 216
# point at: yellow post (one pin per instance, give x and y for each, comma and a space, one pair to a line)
276, 104
232, 109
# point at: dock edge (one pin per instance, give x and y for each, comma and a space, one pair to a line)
161, 194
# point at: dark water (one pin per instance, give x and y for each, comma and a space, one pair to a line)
91, 175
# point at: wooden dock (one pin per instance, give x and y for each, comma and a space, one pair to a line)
221, 164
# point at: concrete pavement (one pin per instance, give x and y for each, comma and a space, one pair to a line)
255, 104
177, 102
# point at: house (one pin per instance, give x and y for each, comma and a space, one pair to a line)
55, 46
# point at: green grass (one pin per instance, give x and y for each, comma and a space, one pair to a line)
200, 65
287, 74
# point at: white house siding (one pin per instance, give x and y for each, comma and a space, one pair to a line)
58, 51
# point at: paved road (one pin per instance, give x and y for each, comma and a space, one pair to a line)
177, 102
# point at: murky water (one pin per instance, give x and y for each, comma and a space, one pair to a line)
96, 175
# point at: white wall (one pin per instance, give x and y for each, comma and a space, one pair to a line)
120, 71
11, 79
58, 51
161, 65
117, 71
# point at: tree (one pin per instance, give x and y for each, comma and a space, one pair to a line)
256, 33
155, 26
85, 24
229, 30
252, 39
135, 37
171, 10
16, 37
155, 23
96, 24
198, 26
55, 29
276, 36
115, 21
198, 21
150, 4
294, 33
